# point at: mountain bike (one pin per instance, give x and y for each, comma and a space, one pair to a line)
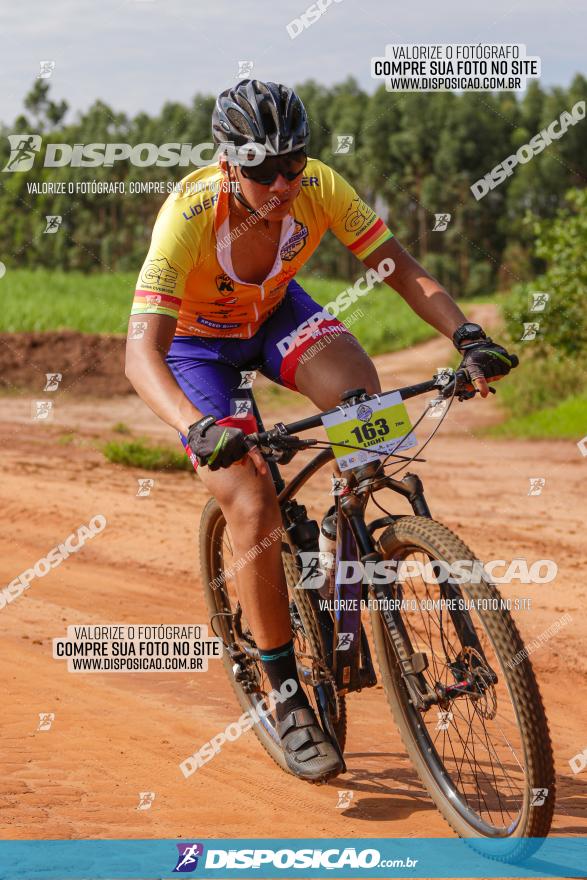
469, 712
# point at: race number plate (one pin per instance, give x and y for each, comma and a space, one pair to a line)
378, 427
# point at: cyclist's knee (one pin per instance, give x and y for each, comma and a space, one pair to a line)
250, 525
341, 366
249, 503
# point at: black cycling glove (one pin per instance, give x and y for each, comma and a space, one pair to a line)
485, 359
215, 445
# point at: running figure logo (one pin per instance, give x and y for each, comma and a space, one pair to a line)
146, 798
53, 223
441, 222
436, 407
539, 301
187, 860
530, 331
42, 409
145, 486
242, 408
137, 330
313, 576
247, 378
344, 799
345, 641
244, 69
23, 148
46, 69
343, 143
53, 380
536, 485
339, 485
444, 719
46, 719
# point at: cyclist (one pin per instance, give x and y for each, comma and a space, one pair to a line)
217, 297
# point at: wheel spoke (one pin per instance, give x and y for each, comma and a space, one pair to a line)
480, 748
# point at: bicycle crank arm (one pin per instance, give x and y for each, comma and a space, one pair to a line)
326, 720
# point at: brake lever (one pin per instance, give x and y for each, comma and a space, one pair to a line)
461, 387
469, 392
277, 446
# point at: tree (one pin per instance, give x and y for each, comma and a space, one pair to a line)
46, 113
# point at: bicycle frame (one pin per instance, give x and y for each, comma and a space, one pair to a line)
352, 666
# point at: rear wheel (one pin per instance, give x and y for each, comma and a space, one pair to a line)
483, 751
240, 657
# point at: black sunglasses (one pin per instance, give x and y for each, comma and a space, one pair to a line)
290, 166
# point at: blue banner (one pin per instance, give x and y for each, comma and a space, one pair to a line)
303, 858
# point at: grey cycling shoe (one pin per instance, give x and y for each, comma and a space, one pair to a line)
308, 752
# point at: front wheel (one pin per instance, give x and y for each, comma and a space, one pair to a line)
483, 749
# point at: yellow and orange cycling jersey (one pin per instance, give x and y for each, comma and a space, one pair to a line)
188, 271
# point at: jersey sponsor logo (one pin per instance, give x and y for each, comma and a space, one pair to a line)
224, 282
310, 181
358, 216
281, 282
225, 301
160, 274
195, 210
296, 242
217, 325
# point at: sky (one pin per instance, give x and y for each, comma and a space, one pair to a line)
137, 54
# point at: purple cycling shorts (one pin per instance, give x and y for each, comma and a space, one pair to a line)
209, 371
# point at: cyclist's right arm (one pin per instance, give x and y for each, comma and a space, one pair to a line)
172, 255
150, 376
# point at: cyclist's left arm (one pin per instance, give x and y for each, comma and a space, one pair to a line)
422, 292
359, 228
419, 289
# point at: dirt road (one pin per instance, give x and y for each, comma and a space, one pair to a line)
116, 735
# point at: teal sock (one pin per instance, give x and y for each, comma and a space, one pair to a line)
280, 666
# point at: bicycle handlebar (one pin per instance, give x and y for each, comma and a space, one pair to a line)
458, 385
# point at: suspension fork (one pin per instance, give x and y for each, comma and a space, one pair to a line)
351, 657
411, 487
412, 663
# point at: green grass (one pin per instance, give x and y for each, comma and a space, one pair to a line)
139, 454
44, 300
567, 420
121, 428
